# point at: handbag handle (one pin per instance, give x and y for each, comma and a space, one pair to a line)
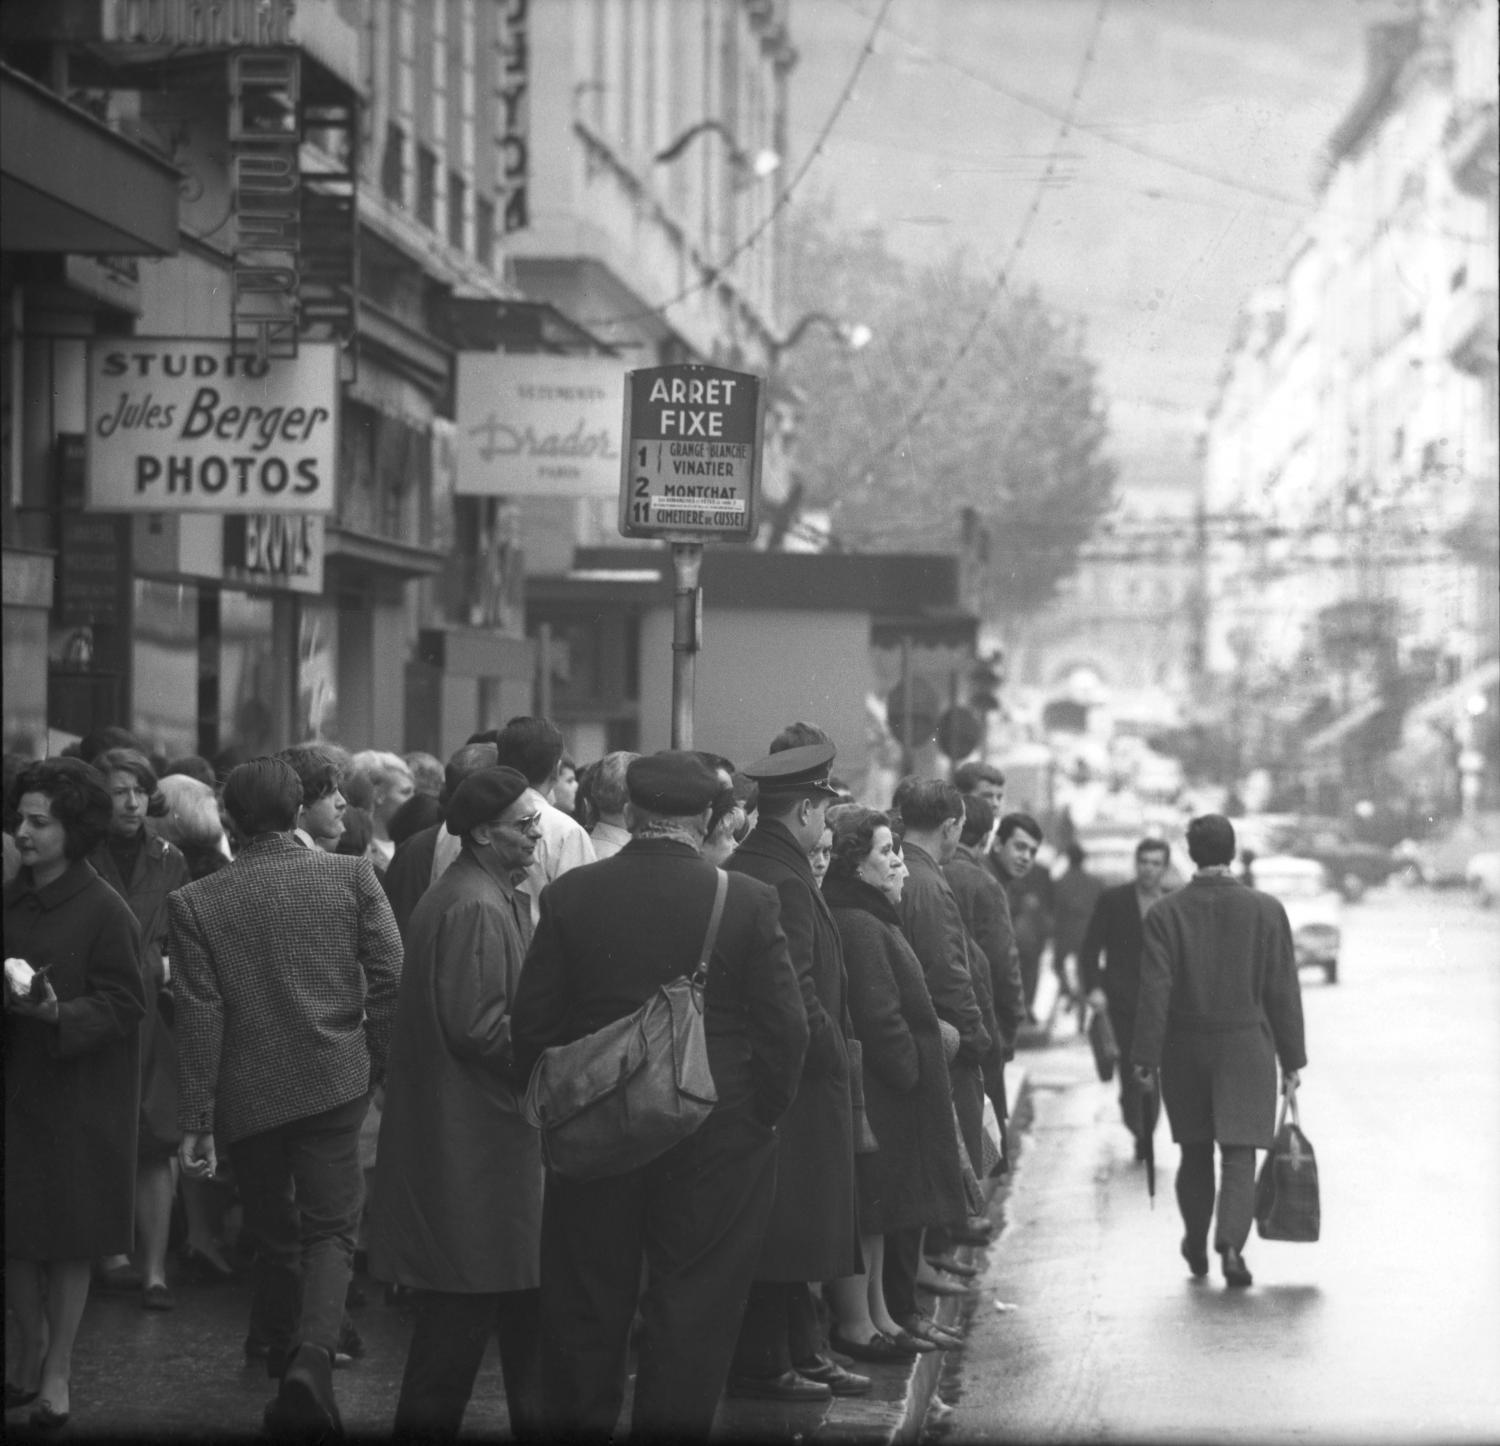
1288, 1104
721, 891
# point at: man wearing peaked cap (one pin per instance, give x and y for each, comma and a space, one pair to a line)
813, 1233
610, 935
456, 1213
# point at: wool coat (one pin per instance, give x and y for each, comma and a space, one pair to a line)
1116, 931
457, 1203
287, 963
72, 1089
1219, 1004
409, 874
986, 915
159, 869
814, 1229
934, 927
914, 1178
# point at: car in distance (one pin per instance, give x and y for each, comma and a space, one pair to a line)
1354, 865
1313, 906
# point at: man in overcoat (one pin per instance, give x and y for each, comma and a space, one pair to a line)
457, 1213
1029, 888
813, 1234
1116, 933
611, 934
287, 963
1219, 1005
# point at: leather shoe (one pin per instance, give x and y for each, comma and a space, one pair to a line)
17, 1396
1235, 1271
935, 1284
953, 1265
306, 1402
927, 1329
972, 1234
788, 1386
158, 1297
833, 1375
47, 1418
1195, 1252
915, 1344
880, 1349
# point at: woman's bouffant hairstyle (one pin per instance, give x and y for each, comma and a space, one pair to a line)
192, 818
135, 763
263, 796
854, 829
77, 796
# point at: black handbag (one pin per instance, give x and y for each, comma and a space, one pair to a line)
1286, 1191
616, 1099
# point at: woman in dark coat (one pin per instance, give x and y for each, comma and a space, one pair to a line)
72, 1074
143, 869
914, 1178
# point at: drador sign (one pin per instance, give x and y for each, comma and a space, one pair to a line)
691, 467
183, 425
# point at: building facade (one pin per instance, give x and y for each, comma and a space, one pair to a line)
1350, 468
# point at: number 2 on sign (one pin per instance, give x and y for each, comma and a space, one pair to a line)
642, 487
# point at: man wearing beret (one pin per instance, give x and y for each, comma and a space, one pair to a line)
457, 1210
814, 1230
612, 933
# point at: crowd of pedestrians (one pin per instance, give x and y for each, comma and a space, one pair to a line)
308, 996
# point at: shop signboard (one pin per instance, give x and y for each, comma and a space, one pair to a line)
282, 551
185, 425
537, 425
691, 469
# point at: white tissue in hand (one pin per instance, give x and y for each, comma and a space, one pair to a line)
18, 975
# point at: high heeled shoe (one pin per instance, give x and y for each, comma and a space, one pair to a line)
18, 1396
47, 1417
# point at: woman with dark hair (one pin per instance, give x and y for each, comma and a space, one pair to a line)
72, 1074
143, 869
913, 1179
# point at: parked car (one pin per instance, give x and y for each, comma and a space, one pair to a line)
1354, 865
1313, 906
1483, 877
1442, 861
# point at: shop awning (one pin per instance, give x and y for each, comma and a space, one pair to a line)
70, 184
1342, 726
1452, 702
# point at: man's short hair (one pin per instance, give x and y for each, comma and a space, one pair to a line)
466, 760
607, 784
968, 776
798, 735
1154, 846
927, 803
532, 746
1210, 840
263, 796
321, 769
979, 818
1023, 821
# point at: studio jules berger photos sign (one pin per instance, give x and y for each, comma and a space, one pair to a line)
184, 425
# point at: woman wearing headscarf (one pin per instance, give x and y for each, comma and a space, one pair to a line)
72, 1074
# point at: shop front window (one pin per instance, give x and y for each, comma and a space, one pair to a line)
250, 685
165, 667
317, 671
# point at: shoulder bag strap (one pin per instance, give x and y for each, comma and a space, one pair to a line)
721, 892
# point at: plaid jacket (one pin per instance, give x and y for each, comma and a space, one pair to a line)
287, 964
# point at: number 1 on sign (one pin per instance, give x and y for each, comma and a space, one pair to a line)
643, 456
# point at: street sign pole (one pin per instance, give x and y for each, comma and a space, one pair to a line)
690, 474
687, 637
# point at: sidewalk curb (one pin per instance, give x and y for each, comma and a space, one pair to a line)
900, 1422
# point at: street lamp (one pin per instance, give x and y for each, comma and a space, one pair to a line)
747, 167
854, 335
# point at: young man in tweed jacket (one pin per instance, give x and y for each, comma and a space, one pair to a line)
287, 963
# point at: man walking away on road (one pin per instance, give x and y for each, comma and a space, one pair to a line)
610, 936
1074, 896
1116, 932
287, 963
457, 1217
1219, 1004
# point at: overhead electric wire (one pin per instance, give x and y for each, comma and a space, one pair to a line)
940, 384
783, 199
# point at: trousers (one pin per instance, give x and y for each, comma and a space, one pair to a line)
696, 1216
301, 1187
779, 1329
903, 1258
1195, 1192
447, 1347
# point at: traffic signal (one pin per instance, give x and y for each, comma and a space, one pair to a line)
986, 678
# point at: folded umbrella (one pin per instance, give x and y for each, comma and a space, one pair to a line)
1150, 1110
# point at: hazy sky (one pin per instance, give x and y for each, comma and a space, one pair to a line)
947, 138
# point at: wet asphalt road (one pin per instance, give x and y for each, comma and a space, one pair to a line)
1387, 1329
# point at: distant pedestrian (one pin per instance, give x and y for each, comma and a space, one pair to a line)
610, 935
457, 1213
1073, 896
1116, 934
608, 795
287, 964
1219, 1005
